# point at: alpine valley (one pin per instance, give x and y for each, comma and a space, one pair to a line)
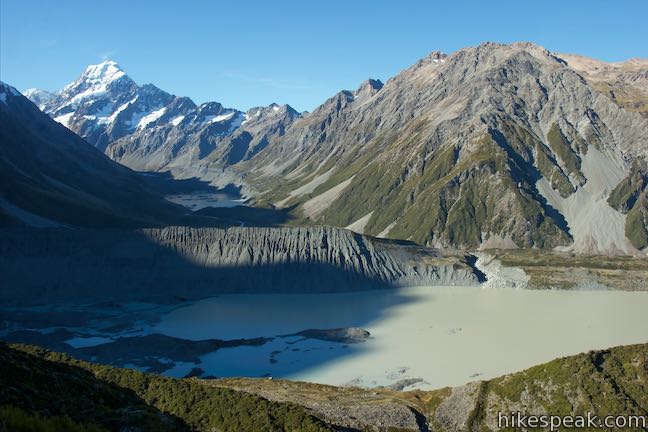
492, 146
402, 258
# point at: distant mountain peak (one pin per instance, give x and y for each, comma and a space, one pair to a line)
96, 78
434, 58
106, 71
53, 159
35, 91
371, 85
277, 108
273, 108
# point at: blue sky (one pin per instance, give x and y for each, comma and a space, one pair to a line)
248, 53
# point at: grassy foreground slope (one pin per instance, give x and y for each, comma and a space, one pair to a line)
44, 390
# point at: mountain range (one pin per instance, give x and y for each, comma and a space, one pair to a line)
494, 146
148, 129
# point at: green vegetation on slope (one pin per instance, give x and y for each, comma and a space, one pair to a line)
561, 146
608, 382
632, 98
636, 228
452, 197
454, 193
630, 197
47, 384
626, 193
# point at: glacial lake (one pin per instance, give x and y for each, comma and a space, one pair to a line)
444, 336
198, 200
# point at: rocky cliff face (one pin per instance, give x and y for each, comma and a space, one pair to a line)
88, 265
492, 146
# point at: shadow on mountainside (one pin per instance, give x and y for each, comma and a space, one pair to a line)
47, 388
99, 273
166, 184
212, 206
525, 170
248, 216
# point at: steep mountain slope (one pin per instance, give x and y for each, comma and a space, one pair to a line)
492, 146
148, 129
605, 383
105, 104
49, 176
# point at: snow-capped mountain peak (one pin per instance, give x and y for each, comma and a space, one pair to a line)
105, 71
102, 73
95, 81
104, 104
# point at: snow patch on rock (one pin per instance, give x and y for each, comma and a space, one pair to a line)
150, 118
64, 119
176, 121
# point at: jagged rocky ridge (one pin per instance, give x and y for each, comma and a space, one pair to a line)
199, 262
195, 146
